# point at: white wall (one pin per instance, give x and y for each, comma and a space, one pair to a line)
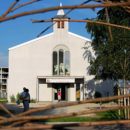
26, 63
45, 92
72, 93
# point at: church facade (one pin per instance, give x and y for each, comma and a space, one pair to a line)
56, 61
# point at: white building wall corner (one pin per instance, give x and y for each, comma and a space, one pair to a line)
44, 91
72, 93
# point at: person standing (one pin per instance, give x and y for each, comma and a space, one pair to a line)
25, 97
59, 95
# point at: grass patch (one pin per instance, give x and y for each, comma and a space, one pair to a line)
103, 116
74, 119
110, 115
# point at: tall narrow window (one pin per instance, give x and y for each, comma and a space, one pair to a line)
62, 24
58, 24
55, 63
61, 61
67, 62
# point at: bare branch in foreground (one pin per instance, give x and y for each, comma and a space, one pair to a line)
10, 8
59, 105
69, 11
2, 118
24, 4
79, 124
17, 120
90, 6
87, 21
6, 110
31, 118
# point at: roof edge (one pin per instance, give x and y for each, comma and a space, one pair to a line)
28, 42
79, 36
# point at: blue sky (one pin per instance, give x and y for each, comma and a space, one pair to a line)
20, 30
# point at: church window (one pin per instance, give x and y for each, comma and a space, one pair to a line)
67, 62
62, 24
55, 66
58, 24
61, 61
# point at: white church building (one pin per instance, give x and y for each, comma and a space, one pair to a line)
56, 61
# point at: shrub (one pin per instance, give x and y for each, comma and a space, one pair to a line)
3, 100
18, 96
12, 98
32, 101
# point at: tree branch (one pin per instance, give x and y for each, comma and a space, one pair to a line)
88, 21
24, 4
10, 8
48, 107
91, 6
2, 118
84, 112
60, 125
70, 10
6, 110
108, 21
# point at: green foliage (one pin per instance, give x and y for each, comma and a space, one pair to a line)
74, 119
110, 115
112, 54
18, 96
12, 98
3, 100
33, 101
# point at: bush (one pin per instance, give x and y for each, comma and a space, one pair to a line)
12, 98
32, 101
97, 94
3, 100
18, 96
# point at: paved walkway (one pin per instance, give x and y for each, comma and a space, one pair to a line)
19, 108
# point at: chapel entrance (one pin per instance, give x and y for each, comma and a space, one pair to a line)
63, 88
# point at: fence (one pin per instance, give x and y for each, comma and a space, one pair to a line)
24, 120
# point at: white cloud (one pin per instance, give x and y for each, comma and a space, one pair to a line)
3, 60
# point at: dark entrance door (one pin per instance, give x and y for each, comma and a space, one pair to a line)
62, 87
